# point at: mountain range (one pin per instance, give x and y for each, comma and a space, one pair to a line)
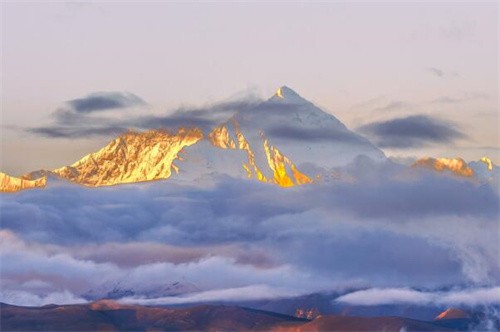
260, 143
109, 315
285, 140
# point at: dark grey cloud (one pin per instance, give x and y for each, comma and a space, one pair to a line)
204, 117
102, 101
68, 123
412, 131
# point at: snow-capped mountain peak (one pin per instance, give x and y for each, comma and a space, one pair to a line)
287, 95
285, 140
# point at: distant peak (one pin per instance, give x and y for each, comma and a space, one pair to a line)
286, 94
488, 162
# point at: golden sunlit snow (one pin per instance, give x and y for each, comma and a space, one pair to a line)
285, 173
13, 184
132, 157
150, 155
455, 165
488, 162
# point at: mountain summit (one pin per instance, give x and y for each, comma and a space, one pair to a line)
285, 140
285, 94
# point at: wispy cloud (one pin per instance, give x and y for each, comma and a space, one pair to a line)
441, 73
246, 293
30, 299
395, 106
445, 100
464, 97
78, 119
380, 296
436, 71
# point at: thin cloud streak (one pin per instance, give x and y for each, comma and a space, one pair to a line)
383, 296
440, 73
395, 106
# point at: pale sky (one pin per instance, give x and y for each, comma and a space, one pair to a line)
363, 62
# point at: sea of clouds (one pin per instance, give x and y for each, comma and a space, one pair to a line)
228, 239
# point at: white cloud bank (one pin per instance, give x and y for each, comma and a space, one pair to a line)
467, 297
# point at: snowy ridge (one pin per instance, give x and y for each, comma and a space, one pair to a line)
13, 184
